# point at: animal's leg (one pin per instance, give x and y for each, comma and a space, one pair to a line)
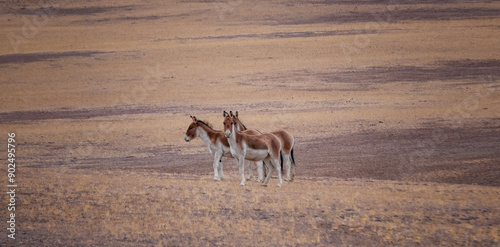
250, 170
216, 166
277, 166
286, 159
221, 172
265, 170
242, 170
260, 171
269, 171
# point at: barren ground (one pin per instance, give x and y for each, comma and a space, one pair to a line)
394, 107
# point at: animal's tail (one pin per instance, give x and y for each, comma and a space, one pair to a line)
264, 170
281, 160
291, 155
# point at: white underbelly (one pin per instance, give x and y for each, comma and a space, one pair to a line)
256, 155
226, 151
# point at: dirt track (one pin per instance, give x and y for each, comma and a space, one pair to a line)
405, 94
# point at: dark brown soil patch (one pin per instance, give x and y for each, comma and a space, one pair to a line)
442, 71
44, 56
144, 18
57, 10
20, 117
282, 35
471, 153
382, 2
394, 16
362, 79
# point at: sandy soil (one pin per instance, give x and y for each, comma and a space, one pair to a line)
394, 107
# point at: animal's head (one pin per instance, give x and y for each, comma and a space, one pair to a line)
191, 131
229, 120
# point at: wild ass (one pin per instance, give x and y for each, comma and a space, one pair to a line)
264, 147
215, 141
287, 145
241, 127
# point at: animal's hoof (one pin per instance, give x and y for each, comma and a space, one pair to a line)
216, 179
264, 185
279, 185
242, 184
287, 180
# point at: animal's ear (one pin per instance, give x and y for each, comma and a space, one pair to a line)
236, 113
224, 113
194, 118
231, 112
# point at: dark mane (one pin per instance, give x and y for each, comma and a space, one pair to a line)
244, 127
206, 124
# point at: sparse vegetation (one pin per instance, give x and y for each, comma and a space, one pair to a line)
394, 109
133, 208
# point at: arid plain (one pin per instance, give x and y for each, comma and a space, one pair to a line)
394, 105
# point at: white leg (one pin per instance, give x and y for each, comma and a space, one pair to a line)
278, 169
260, 171
269, 171
286, 159
250, 170
242, 170
216, 166
221, 172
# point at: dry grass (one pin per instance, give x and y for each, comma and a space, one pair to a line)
100, 171
83, 207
